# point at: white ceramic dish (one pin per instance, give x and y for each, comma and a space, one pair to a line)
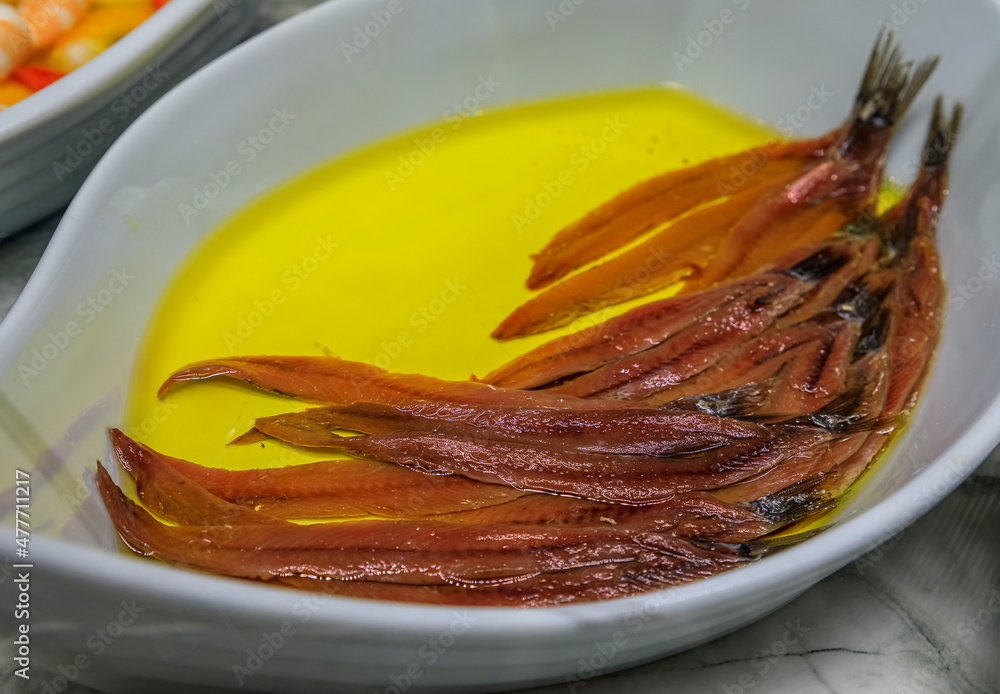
58, 393
51, 141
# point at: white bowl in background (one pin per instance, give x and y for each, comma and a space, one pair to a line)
50, 141
195, 628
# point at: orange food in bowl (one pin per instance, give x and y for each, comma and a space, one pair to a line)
43, 40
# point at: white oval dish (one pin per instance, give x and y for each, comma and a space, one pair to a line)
59, 391
51, 141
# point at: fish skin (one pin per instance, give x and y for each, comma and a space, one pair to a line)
598, 477
863, 252
180, 499
657, 201
549, 589
872, 373
823, 488
899, 366
630, 333
693, 515
816, 376
337, 488
918, 299
692, 350
674, 254
800, 370
840, 188
649, 325
553, 589
808, 212
626, 431
409, 552
172, 495
896, 371
917, 303
797, 338
759, 360
333, 381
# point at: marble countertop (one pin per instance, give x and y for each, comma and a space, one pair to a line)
919, 613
